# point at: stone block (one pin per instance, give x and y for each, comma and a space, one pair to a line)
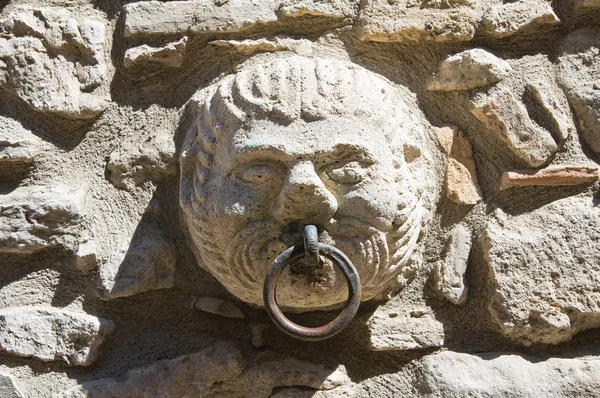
52, 334
461, 183
34, 218
394, 326
497, 374
503, 116
183, 17
578, 75
137, 161
469, 69
54, 62
543, 267
141, 262
397, 21
449, 273
511, 17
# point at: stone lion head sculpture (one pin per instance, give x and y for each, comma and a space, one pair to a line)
296, 141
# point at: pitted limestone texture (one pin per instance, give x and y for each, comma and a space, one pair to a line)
398, 326
543, 270
138, 162
578, 74
399, 21
506, 19
469, 69
54, 62
34, 218
52, 334
353, 157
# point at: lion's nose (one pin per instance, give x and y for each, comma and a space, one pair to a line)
304, 198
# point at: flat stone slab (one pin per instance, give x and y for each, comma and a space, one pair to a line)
497, 374
52, 334
398, 21
556, 175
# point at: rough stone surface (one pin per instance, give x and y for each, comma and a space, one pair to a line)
51, 334
578, 71
461, 182
384, 21
552, 175
449, 273
215, 371
394, 327
182, 17
506, 118
135, 163
33, 218
233, 123
333, 8
170, 55
54, 62
497, 374
17, 144
469, 69
543, 269
376, 204
511, 17
278, 43
7, 387
146, 262
217, 306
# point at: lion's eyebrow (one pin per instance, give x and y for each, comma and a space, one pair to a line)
347, 152
264, 152
260, 152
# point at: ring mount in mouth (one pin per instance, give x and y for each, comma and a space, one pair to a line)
294, 255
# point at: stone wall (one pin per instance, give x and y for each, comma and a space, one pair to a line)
101, 292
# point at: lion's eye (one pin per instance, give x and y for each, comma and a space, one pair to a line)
257, 174
350, 173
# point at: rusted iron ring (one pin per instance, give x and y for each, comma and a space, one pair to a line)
322, 332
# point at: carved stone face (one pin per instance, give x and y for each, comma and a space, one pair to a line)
248, 191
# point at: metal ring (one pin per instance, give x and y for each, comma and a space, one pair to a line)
321, 332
